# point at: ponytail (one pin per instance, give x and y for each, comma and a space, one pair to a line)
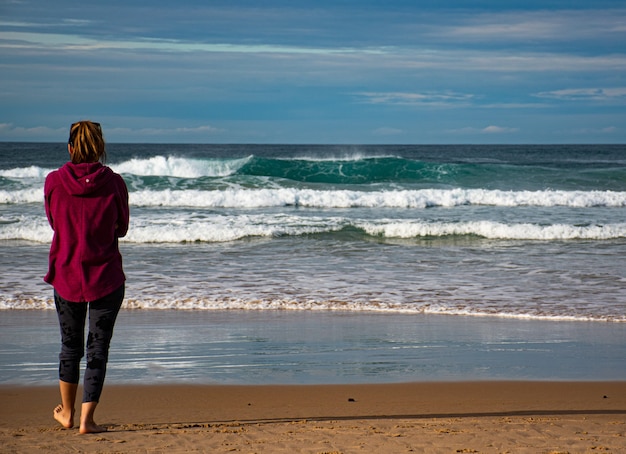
87, 142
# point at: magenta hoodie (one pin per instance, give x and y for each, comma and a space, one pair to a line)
87, 207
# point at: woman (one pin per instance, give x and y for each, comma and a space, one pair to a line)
87, 207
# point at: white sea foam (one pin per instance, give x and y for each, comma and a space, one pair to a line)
235, 229
32, 195
239, 197
493, 230
218, 228
27, 228
221, 304
339, 156
399, 246
213, 228
25, 172
180, 167
278, 197
424, 198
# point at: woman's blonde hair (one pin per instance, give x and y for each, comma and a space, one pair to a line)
87, 142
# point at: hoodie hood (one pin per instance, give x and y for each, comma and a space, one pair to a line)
84, 178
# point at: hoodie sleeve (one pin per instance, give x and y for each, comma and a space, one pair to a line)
123, 212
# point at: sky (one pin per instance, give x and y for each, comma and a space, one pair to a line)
315, 72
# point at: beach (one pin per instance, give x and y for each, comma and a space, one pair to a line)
282, 381
483, 416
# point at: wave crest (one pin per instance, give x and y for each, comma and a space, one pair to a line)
424, 198
180, 167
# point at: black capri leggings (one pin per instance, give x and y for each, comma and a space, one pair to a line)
102, 315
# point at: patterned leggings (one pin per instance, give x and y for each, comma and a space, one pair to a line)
102, 315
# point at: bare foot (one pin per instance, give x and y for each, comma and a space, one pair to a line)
64, 417
91, 428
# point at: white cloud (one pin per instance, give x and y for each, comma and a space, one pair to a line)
491, 129
151, 132
609, 130
513, 105
417, 99
24, 24
8, 131
325, 59
586, 94
199, 129
522, 26
60, 41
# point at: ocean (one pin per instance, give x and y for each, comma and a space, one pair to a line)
387, 239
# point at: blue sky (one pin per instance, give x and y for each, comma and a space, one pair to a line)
339, 71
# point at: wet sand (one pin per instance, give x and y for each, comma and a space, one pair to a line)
483, 416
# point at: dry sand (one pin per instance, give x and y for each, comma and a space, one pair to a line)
472, 417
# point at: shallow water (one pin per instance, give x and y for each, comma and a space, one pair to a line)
294, 347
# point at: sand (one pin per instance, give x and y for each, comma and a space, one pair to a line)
464, 417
